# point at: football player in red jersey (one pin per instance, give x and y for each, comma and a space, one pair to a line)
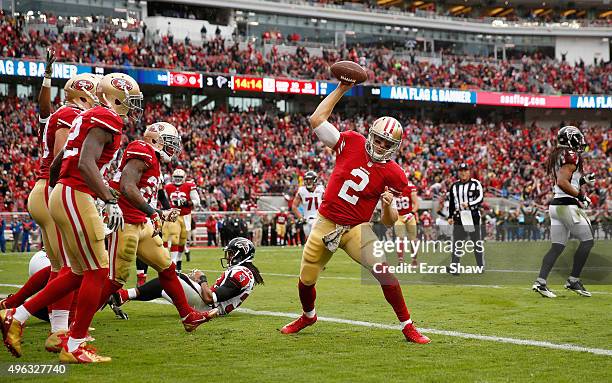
281, 227
92, 143
364, 174
138, 178
407, 205
78, 96
184, 196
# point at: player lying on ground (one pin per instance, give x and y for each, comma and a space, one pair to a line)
229, 291
364, 174
567, 210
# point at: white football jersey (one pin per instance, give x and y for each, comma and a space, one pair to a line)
572, 158
244, 278
311, 200
193, 291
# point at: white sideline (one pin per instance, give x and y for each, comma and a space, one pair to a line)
457, 334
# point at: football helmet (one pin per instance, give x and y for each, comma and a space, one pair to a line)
238, 251
385, 129
121, 93
80, 91
310, 180
572, 138
178, 177
164, 138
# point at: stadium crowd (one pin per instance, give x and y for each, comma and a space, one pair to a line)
236, 156
534, 74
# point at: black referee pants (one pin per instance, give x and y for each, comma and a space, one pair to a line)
460, 238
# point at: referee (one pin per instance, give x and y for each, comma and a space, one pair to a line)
466, 195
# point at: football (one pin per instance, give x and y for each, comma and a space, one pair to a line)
349, 72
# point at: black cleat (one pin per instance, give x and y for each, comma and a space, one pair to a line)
577, 287
114, 302
542, 289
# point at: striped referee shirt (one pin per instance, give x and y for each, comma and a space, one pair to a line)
470, 192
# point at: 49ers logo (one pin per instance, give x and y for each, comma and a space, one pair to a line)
121, 84
83, 85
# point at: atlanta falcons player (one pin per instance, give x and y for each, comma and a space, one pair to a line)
364, 174
229, 291
567, 210
309, 197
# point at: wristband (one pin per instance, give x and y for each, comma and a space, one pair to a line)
47, 82
112, 201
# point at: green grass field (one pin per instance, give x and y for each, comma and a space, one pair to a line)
152, 345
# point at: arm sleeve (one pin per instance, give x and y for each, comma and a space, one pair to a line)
195, 198
478, 199
328, 134
451, 202
163, 199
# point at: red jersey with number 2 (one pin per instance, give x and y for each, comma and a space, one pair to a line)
98, 117
357, 182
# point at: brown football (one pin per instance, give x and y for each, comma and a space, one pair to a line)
349, 72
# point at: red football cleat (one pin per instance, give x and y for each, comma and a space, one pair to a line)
84, 354
299, 324
196, 318
413, 335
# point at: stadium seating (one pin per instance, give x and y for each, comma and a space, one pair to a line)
535, 74
220, 154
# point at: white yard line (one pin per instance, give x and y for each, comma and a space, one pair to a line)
456, 334
412, 282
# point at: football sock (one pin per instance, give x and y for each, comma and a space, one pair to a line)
393, 294
74, 343
149, 291
549, 259
407, 322
60, 309
33, 285
91, 290
308, 295
311, 314
56, 289
573, 279
109, 288
59, 320
179, 266
130, 293
22, 314
170, 284
580, 258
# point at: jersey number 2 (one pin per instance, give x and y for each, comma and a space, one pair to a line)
352, 185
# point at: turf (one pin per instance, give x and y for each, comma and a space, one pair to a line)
152, 345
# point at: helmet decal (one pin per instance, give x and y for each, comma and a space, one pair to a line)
121, 84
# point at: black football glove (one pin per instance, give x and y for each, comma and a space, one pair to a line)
583, 200
588, 179
49, 64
